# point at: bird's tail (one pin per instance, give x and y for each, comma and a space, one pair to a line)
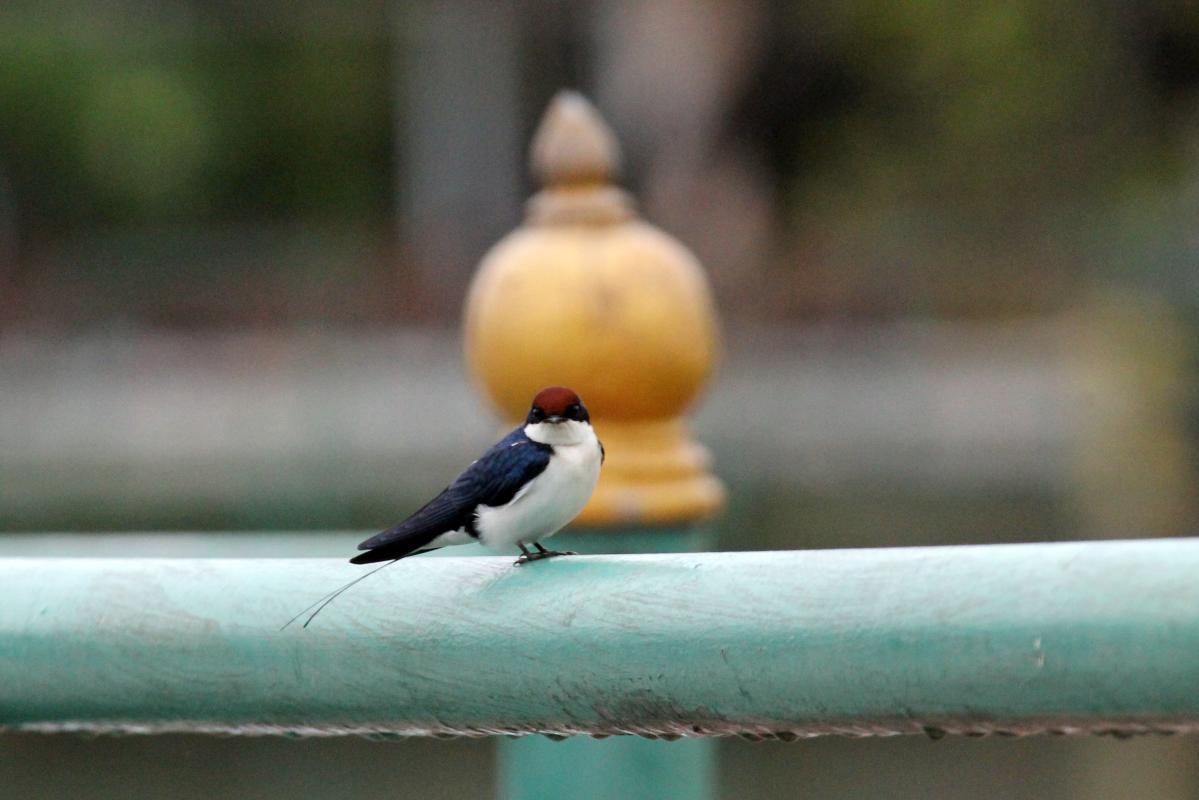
325, 600
386, 554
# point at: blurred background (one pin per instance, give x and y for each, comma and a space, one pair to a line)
954, 250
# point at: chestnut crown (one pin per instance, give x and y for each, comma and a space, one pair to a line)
557, 404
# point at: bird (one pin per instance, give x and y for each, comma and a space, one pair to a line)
526, 488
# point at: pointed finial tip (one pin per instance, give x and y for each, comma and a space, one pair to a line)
573, 144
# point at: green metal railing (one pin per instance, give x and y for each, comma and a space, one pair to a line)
1077, 637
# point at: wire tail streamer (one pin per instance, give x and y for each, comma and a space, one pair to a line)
325, 600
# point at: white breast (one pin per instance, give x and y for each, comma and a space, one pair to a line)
550, 500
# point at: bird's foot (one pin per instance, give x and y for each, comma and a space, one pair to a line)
547, 553
541, 553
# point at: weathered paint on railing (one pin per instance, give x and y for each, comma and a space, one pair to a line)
1074, 637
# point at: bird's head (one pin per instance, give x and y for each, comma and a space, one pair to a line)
557, 416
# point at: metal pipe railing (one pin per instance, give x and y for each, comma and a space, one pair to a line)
1074, 637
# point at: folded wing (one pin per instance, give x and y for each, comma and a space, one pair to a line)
493, 480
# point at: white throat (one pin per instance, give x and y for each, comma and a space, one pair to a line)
559, 434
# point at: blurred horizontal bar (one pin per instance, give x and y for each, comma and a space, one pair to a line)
236, 417
1099, 637
183, 544
313, 543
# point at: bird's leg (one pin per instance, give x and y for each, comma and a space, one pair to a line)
527, 557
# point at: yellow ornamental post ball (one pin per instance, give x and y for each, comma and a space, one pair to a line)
620, 314
587, 295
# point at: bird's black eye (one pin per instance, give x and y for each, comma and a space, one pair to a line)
536, 414
574, 412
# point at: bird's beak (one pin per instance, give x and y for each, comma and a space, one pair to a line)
555, 419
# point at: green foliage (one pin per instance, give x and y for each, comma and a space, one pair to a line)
145, 140
159, 118
990, 148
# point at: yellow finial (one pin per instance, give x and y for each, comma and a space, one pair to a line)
573, 145
575, 156
587, 295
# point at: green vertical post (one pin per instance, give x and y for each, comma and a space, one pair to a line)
619, 767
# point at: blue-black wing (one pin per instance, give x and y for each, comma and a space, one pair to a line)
493, 480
